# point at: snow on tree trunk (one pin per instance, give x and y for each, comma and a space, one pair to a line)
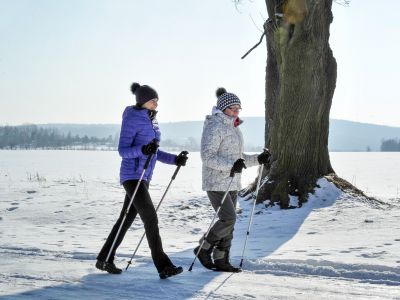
300, 82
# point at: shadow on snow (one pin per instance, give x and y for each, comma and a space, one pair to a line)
271, 229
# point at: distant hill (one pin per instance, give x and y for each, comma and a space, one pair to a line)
343, 135
354, 136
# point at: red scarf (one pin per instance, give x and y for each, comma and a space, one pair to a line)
237, 122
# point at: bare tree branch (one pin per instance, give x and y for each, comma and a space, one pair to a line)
344, 3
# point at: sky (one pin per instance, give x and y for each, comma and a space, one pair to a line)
74, 61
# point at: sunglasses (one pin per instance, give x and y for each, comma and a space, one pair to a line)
232, 108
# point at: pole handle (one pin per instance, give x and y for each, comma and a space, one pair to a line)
146, 165
184, 153
233, 171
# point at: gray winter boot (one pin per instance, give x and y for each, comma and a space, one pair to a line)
221, 261
204, 255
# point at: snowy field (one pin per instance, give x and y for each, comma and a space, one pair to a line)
57, 207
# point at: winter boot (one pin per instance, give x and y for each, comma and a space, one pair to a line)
204, 255
170, 271
221, 261
108, 267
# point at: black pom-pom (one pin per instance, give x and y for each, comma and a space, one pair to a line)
220, 91
134, 87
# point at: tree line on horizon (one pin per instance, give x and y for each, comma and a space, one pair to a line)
390, 145
36, 137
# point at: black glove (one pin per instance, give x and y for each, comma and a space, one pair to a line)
238, 166
181, 158
150, 148
263, 158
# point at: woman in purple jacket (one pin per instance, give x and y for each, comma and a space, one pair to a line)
139, 138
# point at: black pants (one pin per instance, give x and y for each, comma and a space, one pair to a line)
143, 206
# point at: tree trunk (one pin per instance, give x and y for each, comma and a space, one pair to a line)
300, 82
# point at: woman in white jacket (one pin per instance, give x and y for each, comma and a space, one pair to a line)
221, 153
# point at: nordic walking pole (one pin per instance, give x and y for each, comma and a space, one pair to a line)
159, 204
130, 204
252, 213
216, 213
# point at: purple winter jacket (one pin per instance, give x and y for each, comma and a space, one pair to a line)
138, 129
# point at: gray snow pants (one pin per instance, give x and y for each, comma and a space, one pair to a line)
221, 233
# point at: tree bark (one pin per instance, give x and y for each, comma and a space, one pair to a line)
300, 82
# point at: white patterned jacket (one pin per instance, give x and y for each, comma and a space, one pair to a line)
221, 146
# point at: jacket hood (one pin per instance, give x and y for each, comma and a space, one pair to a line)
215, 111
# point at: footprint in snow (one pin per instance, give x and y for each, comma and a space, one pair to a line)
357, 248
373, 255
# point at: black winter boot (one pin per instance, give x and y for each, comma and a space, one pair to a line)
170, 271
204, 257
108, 267
222, 264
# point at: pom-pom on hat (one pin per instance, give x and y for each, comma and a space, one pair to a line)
226, 99
143, 93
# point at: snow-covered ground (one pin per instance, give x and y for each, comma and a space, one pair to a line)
57, 207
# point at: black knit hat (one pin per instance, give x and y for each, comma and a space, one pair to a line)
226, 99
143, 93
